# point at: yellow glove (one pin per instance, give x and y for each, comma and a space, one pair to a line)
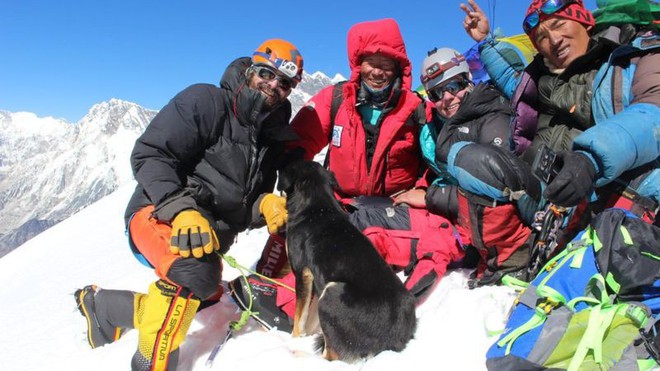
273, 208
191, 231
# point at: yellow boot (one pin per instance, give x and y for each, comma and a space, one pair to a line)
163, 318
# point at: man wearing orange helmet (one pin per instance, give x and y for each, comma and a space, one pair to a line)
205, 167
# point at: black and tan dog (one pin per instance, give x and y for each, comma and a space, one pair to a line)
363, 307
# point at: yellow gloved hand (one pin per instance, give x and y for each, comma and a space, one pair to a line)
273, 208
191, 231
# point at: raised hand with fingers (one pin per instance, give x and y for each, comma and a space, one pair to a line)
192, 232
476, 22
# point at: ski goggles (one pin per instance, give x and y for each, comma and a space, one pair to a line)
453, 87
268, 74
548, 7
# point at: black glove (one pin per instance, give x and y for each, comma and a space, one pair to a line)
574, 182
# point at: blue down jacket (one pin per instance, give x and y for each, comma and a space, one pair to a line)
622, 130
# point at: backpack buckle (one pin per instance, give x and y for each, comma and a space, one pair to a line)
548, 305
638, 314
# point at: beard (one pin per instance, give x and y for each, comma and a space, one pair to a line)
273, 97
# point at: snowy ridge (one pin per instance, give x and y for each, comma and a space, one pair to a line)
58, 168
310, 85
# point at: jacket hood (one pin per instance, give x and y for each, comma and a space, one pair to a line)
234, 75
381, 36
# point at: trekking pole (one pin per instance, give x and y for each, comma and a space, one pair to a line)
218, 347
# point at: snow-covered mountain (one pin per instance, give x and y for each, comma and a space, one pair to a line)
309, 86
51, 168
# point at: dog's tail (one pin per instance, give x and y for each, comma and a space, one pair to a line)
319, 343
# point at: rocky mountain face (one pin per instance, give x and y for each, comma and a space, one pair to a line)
50, 168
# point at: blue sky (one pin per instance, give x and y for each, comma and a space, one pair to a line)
58, 58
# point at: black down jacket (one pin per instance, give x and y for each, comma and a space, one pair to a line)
211, 149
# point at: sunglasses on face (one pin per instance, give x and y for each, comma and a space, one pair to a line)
268, 74
548, 7
453, 87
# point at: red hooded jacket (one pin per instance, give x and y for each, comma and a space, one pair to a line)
396, 160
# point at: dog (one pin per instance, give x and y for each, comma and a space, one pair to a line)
362, 307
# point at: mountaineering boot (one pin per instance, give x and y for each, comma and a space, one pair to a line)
109, 313
163, 318
264, 306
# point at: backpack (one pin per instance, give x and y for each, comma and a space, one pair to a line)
593, 306
640, 13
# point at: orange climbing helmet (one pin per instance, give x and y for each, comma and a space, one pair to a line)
282, 56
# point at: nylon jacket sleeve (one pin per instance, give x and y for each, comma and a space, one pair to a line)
312, 124
631, 137
622, 142
503, 64
442, 199
174, 142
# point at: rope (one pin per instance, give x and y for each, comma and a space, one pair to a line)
234, 264
245, 315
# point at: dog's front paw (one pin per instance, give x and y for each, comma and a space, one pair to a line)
297, 332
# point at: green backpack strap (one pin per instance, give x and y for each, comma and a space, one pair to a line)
600, 319
514, 283
539, 317
543, 298
597, 291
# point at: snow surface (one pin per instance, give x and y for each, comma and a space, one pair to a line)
42, 329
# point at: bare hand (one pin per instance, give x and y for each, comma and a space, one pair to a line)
475, 23
414, 198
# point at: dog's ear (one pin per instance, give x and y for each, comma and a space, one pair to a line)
285, 179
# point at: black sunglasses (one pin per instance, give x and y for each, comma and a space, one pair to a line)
452, 87
268, 74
